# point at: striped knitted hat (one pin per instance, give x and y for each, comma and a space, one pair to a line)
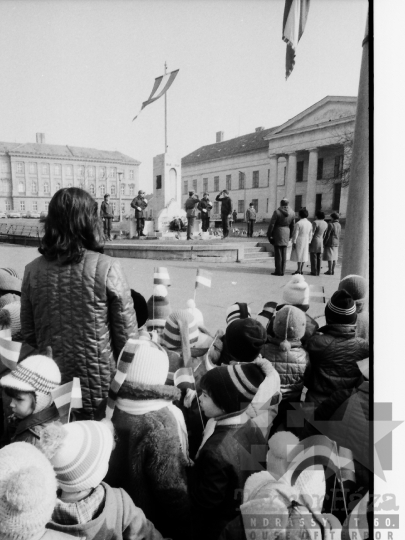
38, 374
158, 307
180, 331
10, 281
10, 318
233, 387
341, 309
81, 461
238, 310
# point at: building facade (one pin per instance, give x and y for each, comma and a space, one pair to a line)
306, 159
31, 173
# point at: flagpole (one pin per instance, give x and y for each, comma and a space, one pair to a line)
165, 113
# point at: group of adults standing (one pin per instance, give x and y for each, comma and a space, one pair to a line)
317, 240
194, 204
139, 204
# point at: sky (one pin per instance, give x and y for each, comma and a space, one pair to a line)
79, 70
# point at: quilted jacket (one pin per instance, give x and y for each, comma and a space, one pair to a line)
281, 226
333, 353
290, 365
85, 312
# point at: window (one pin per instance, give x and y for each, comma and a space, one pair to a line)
113, 189
338, 169
216, 207
255, 182
132, 190
102, 189
69, 170
318, 202
267, 206
57, 170
102, 172
91, 172
241, 207
35, 206
185, 187
256, 204
114, 206
80, 170
34, 187
298, 203
216, 183
46, 187
20, 167
92, 189
241, 180
205, 185
57, 187
195, 185
33, 168
8, 206
159, 181
122, 189
22, 205
319, 172
300, 171
228, 182
46, 206
45, 169
131, 175
268, 177
113, 173
21, 187
336, 197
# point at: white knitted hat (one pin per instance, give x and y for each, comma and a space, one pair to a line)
198, 316
27, 491
296, 291
150, 365
81, 461
10, 318
38, 374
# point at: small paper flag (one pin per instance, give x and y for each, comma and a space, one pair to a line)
203, 277
161, 276
68, 396
184, 378
9, 352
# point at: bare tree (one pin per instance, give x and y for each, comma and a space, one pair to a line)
341, 172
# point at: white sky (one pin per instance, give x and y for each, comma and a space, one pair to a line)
80, 70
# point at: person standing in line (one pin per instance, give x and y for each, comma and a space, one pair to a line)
280, 231
250, 219
226, 210
301, 239
190, 208
140, 203
204, 206
234, 216
319, 227
107, 214
331, 243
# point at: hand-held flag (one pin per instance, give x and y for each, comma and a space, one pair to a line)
184, 378
203, 277
294, 20
161, 276
67, 397
161, 86
9, 352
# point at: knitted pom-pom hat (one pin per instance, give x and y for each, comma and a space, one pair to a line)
280, 445
27, 491
38, 374
289, 325
357, 287
158, 307
341, 309
9, 281
198, 316
180, 332
10, 318
238, 310
296, 291
245, 339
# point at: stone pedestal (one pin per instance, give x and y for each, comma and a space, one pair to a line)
167, 214
291, 178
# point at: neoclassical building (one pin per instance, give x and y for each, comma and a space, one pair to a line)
30, 173
306, 159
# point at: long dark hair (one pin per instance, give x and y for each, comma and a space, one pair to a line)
71, 226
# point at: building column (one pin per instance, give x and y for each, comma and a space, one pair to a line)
311, 184
273, 183
291, 177
345, 187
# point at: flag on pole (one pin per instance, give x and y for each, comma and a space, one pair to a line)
68, 396
184, 378
9, 352
161, 276
161, 86
203, 277
294, 21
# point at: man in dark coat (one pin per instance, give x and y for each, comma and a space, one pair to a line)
279, 233
190, 208
226, 210
204, 206
107, 214
140, 203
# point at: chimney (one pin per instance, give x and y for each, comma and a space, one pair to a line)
40, 138
220, 136
261, 128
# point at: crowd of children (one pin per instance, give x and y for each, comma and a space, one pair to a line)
193, 436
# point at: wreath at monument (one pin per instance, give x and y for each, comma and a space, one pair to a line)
177, 224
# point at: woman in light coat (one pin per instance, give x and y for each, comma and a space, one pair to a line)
319, 227
301, 238
331, 243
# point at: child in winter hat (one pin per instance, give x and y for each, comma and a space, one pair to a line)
244, 339
341, 309
80, 452
27, 493
29, 386
180, 333
158, 309
358, 287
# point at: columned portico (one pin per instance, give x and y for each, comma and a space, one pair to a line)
291, 177
311, 185
273, 183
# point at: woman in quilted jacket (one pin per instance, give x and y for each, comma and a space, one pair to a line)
75, 299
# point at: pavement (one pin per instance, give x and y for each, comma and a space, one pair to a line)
231, 282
